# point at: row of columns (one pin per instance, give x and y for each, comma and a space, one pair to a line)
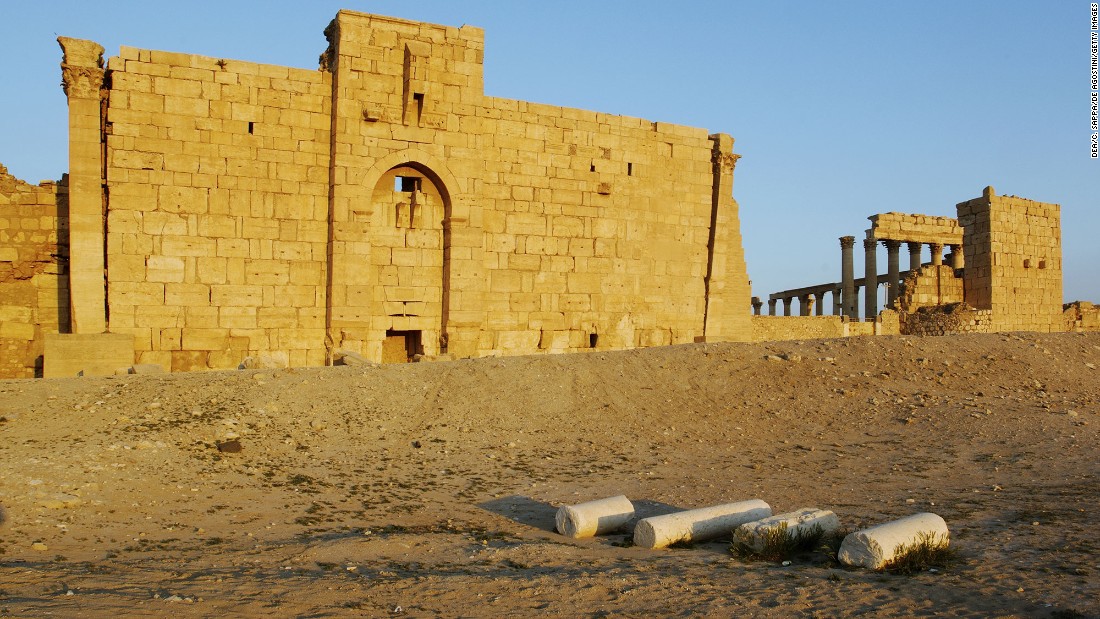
846, 294
893, 277
811, 303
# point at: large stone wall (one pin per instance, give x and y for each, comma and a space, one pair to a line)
776, 328
947, 320
1013, 261
33, 272
217, 229
384, 203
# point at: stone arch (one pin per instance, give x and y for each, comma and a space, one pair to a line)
391, 275
431, 166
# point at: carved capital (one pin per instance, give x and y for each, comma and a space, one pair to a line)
847, 242
81, 82
726, 161
892, 244
870, 245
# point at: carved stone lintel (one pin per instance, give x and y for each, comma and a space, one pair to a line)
81, 82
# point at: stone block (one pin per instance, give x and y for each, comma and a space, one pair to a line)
99, 354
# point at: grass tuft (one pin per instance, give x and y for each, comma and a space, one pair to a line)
929, 550
780, 544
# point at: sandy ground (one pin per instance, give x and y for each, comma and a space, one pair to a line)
429, 489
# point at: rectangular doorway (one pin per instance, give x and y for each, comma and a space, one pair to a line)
401, 346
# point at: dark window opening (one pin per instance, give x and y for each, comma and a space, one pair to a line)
592, 168
407, 184
629, 169
251, 126
592, 339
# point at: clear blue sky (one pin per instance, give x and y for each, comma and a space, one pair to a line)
839, 109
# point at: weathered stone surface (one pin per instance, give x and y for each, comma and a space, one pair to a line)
876, 546
347, 357
146, 368
697, 525
798, 523
594, 517
100, 354
270, 361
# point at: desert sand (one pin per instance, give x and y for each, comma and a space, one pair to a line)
430, 489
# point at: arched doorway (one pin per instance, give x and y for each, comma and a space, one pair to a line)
409, 207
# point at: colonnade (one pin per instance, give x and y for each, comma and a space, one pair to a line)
893, 278
845, 294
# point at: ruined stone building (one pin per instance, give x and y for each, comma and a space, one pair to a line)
1003, 273
216, 209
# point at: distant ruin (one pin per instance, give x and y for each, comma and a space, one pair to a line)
1003, 272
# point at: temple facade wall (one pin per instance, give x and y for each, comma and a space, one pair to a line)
383, 205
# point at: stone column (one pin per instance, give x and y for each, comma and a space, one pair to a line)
914, 256
937, 254
82, 78
787, 303
756, 305
819, 303
771, 307
894, 277
870, 279
805, 302
847, 277
957, 256
837, 311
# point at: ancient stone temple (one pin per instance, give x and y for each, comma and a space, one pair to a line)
216, 209
1003, 272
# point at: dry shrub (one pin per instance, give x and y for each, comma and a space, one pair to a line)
928, 551
780, 544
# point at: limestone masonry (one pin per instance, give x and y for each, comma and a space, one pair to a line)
383, 208
382, 205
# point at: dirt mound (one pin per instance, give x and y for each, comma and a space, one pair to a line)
429, 489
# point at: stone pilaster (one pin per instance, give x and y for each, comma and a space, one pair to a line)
82, 75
